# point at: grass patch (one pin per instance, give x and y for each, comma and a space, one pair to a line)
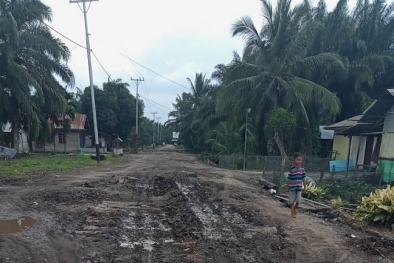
27, 165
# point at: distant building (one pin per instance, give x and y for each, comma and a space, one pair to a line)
23, 137
175, 137
77, 139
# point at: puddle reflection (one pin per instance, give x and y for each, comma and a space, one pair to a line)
16, 225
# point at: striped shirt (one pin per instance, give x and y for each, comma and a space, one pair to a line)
295, 176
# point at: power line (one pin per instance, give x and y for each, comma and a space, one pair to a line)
72, 41
101, 65
79, 45
144, 89
176, 83
146, 93
158, 104
109, 76
140, 75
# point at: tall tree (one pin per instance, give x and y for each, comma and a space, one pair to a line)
270, 73
31, 62
115, 107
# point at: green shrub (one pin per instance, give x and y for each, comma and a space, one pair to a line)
338, 203
378, 208
313, 192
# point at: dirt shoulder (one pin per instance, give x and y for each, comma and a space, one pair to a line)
166, 206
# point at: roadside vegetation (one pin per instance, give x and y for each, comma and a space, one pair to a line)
37, 164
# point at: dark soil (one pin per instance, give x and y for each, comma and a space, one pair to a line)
158, 210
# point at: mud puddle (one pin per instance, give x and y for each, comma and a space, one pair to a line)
16, 225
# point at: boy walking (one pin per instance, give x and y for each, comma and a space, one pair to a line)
295, 181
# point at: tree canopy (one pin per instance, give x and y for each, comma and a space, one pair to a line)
115, 108
303, 67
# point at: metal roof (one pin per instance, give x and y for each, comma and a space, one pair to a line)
364, 128
371, 121
345, 123
77, 124
377, 111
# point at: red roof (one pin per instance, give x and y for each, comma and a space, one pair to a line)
77, 124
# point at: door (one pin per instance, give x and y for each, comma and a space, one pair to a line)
368, 150
81, 141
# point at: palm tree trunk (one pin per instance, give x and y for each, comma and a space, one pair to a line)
15, 133
65, 141
281, 148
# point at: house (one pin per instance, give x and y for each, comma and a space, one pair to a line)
76, 139
6, 129
366, 141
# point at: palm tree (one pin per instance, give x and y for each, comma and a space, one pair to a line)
226, 138
364, 39
31, 59
269, 74
192, 111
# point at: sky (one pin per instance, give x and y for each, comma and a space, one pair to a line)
174, 38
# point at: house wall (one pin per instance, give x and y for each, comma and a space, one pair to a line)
388, 126
341, 145
386, 164
355, 142
387, 147
72, 143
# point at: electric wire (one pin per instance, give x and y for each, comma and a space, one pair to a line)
158, 74
109, 76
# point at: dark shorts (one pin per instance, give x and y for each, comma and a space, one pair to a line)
294, 197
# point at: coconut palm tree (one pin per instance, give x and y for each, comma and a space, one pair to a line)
31, 62
364, 40
269, 75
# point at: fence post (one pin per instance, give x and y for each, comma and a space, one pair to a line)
265, 164
321, 176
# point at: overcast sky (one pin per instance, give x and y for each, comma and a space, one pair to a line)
175, 38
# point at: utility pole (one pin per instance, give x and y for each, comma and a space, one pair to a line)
246, 136
137, 83
158, 130
153, 128
96, 139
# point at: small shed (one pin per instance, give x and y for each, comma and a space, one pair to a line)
117, 146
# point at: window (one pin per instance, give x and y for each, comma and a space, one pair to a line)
62, 138
39, 145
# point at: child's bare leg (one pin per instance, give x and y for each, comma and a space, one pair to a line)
293, 211
295, 208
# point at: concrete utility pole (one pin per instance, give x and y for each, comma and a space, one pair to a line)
96, 139
137, 83
153, 128
158, 130
246, 136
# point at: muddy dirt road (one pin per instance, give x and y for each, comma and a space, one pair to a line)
165, 207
